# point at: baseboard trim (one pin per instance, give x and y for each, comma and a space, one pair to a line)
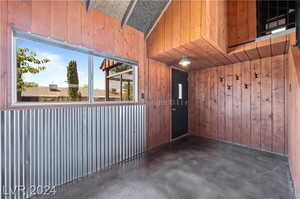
293, 181
241, 145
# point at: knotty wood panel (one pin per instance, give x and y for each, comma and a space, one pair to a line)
232, 22
242, 34
221, 102
266, 104
294, 115
278, 103
195, 100
241, 21
286, 105
176, 24
169, 23
246, 103
204, 97
159, 115
20, 14
213, 102
196, 19
237, 99
192, 96
42, 19
250, 109
207, 105
201, 87
4, 53
228, 102
165, 122
185, 21
59, 21
214, 27
255, 103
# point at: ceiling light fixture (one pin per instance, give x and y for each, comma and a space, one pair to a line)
185, 61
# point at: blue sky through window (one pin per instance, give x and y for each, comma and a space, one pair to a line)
99, 75
56, 69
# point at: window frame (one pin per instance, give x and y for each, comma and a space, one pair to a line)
18, 34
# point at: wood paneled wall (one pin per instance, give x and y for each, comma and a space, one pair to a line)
242, 103
241, 21
221, 23
190, 20
159, 109
205, 33
294, 116
67, 21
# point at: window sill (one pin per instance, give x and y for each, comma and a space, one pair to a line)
69, 104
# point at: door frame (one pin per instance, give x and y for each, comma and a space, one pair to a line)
170, 105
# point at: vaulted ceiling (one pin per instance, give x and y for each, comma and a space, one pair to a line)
140, 14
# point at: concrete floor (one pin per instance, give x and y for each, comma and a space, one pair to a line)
192, 168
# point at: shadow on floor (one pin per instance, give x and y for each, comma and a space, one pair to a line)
191, 168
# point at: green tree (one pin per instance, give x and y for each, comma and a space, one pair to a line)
72, 76
85, 86
27, 62
30, 84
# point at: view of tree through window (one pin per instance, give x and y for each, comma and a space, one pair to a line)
50, 74
46, 73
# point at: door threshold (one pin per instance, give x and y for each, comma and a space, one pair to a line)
179, 137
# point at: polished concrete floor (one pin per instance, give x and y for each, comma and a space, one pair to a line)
191, 168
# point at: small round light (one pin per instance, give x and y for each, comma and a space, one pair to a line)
185, 61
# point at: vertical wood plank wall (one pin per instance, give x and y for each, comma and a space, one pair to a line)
241, 21
294, 115
159, 112
190, 20
243, 103
67, 21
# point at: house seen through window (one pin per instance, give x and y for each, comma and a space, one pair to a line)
46, 73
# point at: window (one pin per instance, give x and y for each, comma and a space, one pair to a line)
274, 16
99, 80
47, 71
113, 80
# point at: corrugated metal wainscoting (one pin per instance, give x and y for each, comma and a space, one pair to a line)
41, 148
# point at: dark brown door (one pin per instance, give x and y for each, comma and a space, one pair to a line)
179, 103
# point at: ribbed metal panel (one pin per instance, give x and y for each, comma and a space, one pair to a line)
50, 147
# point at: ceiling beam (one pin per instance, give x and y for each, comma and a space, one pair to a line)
90, 5
157, 20
128, 12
